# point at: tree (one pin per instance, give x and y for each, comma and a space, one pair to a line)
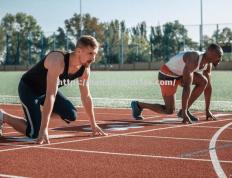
225, 36
174, 36
156, 40
1, 44
63, 40
112, 38
169, 40
207, 40
20, 31
139, 44
90, 26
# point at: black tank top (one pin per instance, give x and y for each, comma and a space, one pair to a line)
36, 77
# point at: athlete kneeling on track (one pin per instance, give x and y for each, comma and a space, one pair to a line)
185, 69
39, 86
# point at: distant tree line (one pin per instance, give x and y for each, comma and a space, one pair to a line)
22, 40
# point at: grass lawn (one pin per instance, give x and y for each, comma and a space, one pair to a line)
123, 85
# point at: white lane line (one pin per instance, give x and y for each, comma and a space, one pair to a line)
13, 145
212, 151
179, 126
222, 114
8, 133
8, 127
106, 122
145, 136
208, 127
131, 154
96, 112
177, 138
11, 176
30, 140
114, 135
98, 122
54, 129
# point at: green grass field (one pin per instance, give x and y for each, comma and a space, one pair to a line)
118, 88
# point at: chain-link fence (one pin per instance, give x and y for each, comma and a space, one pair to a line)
118, 46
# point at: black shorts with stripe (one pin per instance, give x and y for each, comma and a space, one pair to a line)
31, 102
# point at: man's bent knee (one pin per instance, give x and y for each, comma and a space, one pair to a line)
204, 82
70, 116
201, 81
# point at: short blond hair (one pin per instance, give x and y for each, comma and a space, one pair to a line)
87, 40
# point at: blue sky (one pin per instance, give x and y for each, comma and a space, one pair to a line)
50, 14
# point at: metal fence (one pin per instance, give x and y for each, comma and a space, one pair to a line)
27, 49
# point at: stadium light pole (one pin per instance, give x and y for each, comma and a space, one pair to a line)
42, 46
122, 46
137, 52
7, 48
201, 27
17, 28
67, 42
29, 47
54, 41
230, 49
81, 23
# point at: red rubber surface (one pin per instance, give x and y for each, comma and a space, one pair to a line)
155, 147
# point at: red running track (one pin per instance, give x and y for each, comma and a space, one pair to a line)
159, 146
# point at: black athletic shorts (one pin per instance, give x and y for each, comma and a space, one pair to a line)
31, 102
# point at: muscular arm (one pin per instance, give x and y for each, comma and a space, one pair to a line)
87, 102
208, 89
208, 92
86, 97
54, 65
191, 62
187, 82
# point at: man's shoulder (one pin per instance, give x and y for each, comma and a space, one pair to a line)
191, 59
55, 58
191, 56
55, 54
192, 53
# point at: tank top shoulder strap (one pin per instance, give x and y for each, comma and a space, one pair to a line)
66, 62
